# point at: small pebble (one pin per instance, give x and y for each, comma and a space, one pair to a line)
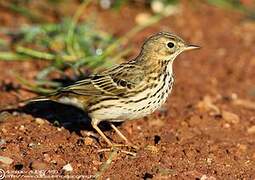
88, 141
2, 142
39, 121
6, 160
22, 128
207, 105
96, 163
152, 149
156, 122
4, 130
67, 167
54, 162
245, 103
38, 165
4, 116
138, 127
33, 144
226, 125
205, 177
47, 157
242, 147
163, 171
234, 96
230, 117
209, 160
251, 130
15, 113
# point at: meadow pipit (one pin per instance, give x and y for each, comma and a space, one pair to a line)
130, 90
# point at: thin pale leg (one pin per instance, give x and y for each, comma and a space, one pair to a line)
119, 133
123, 137
94, 124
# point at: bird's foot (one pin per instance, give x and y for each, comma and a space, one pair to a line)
128, 145
115, 148
131, 149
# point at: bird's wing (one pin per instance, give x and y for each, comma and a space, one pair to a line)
114, 82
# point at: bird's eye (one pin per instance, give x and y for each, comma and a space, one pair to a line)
170, 44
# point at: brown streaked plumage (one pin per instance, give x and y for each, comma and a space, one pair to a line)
130, 90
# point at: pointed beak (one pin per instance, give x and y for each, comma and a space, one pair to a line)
191, 47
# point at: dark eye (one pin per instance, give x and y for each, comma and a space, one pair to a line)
170, 45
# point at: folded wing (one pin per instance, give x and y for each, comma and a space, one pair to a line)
114, 82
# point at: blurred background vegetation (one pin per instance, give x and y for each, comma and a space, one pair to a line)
72, 43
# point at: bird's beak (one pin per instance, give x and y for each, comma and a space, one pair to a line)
191, 47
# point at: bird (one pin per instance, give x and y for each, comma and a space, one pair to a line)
130, 90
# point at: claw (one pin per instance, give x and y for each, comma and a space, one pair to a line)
118, 150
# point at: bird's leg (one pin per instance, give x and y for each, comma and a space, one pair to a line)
119, 133
94, 124
123, 137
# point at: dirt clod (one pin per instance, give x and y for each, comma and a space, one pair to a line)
230, 117
251, 130
205, 177
38, 165
39, 121
88, 141
47, 157
245, 103
6, 160
152, 149
207, 105
67, 168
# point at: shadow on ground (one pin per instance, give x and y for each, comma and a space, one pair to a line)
61, 115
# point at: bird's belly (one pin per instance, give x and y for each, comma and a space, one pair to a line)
129, 111
134, 107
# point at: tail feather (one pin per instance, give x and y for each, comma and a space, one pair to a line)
24, 103
56, 97
36, 99
50, 97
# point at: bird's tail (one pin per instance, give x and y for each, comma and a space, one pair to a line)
24, 103
36, 99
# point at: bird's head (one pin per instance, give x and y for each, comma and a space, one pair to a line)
165, 46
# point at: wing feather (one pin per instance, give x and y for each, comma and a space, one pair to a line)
114, 82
